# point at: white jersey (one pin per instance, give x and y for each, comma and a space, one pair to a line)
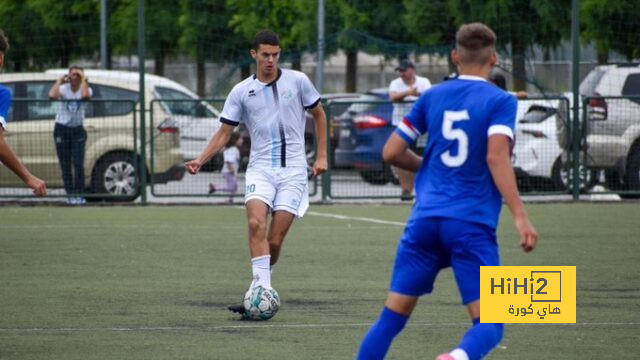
71, 113
401, 109
274, 114
232, 156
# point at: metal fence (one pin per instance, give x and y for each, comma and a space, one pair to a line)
605, 144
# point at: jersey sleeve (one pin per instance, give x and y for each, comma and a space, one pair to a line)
415, 123
503, 118
308, 93
232, 111
5, 104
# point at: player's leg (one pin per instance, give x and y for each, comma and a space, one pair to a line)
291, 201
280, 224
405, 178
471, 246
418, 261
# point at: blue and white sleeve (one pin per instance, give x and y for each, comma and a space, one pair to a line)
232, 111
5, 104
415, 123
503, 119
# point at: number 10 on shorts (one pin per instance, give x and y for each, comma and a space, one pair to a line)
528, 294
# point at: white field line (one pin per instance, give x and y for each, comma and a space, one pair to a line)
356, 218
260, 325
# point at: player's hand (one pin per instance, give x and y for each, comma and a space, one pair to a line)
38, 186
528, 234
193, 166
319, 166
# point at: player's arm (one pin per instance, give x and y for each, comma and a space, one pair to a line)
9, 158
217, 142
54, 92
396, 152
320, 165
499, 162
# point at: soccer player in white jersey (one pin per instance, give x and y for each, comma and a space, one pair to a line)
272, 104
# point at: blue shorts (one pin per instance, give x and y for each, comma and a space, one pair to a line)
431, 244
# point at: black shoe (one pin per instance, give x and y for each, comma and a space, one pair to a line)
239, 309
212, 188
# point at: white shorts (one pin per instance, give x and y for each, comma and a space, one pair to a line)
284, 189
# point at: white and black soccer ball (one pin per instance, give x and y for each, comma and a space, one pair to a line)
261, 303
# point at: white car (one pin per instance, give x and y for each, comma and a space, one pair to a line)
196, 120
537, 157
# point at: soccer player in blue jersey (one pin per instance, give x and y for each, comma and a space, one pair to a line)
461, 180
7, 156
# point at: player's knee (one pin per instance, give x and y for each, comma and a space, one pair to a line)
257, 226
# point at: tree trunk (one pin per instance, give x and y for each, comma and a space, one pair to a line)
602, 52
296, 62
159, 64
245, 71
201, 75
352, 70
519, 72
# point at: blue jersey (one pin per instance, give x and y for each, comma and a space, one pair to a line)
454, 181
5, 104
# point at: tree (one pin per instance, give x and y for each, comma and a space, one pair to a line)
432, 24
291, 20
72, 27
206, 36
612, 25
161, 29
519, 23
23, 27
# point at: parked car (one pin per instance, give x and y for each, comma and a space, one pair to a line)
537, 156
613, 125
110, 159
363, 130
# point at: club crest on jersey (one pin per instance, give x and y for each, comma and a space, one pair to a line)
252, 93
287, 94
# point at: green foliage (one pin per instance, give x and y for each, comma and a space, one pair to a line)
612, 25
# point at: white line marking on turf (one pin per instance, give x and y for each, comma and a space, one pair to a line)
276, 326
344, 217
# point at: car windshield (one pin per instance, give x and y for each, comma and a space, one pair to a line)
189, 106
537, 114
588, 85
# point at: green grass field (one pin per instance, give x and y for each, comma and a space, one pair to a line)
153, 283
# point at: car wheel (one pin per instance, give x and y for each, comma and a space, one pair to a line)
613, 180
632, 176
115, 174
562, 177
375, 177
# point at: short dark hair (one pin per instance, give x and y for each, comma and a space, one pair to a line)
4, 42
266, 37
475, 43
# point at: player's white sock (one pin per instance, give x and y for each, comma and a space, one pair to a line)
271, 269
459, 354
261, 273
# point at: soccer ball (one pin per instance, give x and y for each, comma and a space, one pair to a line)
261, 303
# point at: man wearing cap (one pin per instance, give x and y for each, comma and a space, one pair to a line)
403, 90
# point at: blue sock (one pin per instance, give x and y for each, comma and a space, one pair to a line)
481, 339
379, 337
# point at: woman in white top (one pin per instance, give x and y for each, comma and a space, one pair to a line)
69, 133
